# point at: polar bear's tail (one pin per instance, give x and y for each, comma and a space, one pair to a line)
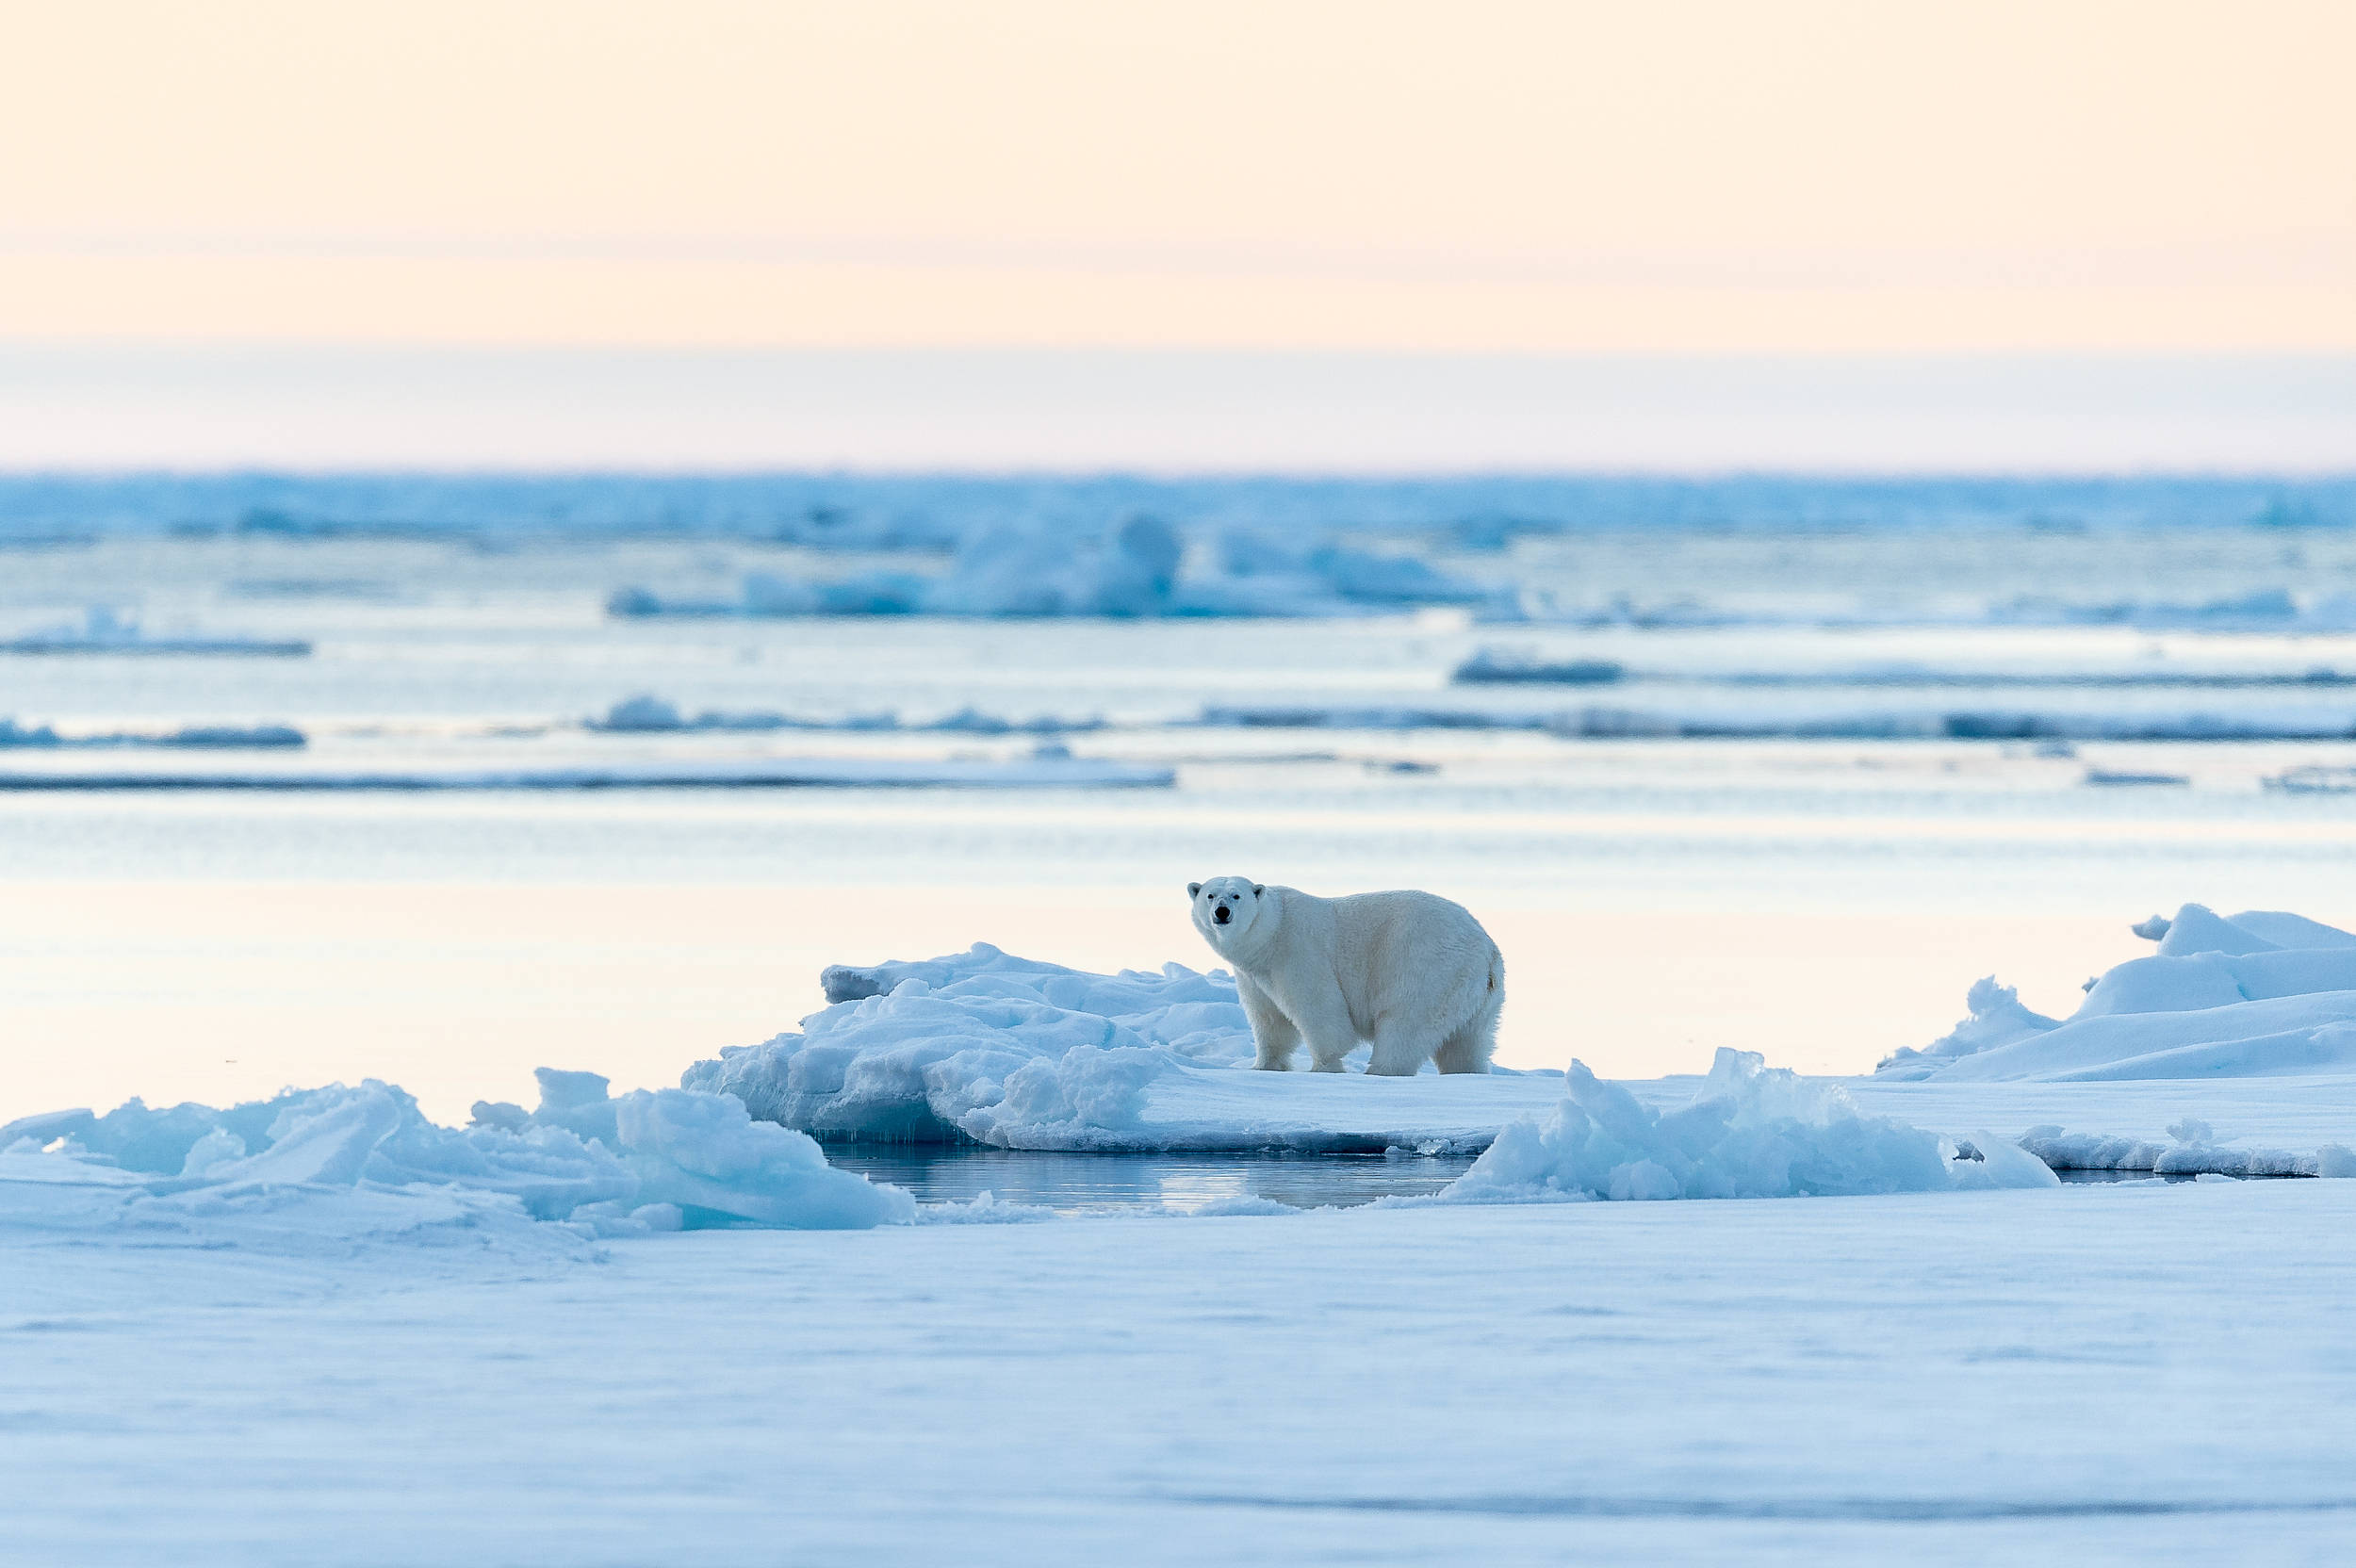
1474, 1041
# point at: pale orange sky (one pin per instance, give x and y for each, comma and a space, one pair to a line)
1692, 175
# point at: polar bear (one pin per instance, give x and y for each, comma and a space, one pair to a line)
1414, 976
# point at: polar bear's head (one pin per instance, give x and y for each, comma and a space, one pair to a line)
1226, 905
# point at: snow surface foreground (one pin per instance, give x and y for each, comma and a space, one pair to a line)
337, 1167
2259, 994
1908, 1378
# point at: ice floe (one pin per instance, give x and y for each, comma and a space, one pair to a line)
987, 1047
648, 714
2312, 780
332, 1164
104, 629
205, 737
1748, 719
1518, 666
2260, 610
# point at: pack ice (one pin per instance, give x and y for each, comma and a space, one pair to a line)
1130, 569
2258, 994
338, 1165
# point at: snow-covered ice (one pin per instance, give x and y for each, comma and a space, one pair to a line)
2256, 994
353, 1164
987, 1046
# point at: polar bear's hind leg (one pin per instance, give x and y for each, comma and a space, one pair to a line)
1468, 1048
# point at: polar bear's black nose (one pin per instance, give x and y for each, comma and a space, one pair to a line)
1222, 915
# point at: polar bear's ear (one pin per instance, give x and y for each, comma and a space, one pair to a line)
1194, 889
1257, 890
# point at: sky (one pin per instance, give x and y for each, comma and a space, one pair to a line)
1697, 178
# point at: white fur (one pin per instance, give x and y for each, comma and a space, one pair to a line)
1412, 975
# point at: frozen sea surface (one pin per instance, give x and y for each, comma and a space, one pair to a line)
396, 1371
1943, 1379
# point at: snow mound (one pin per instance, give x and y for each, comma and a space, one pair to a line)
983, 1045
326, 1167
2259, 994
1996, 1018
1751, 1132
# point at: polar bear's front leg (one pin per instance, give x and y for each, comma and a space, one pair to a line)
1329, 1033
1397, 1051
1273, 1037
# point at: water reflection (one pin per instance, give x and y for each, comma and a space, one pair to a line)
1084, 1183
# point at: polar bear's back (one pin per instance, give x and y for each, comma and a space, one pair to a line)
1405, 923
1409, 953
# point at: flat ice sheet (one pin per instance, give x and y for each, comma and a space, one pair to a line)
798, 773
2085, 1374
2301, 1114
